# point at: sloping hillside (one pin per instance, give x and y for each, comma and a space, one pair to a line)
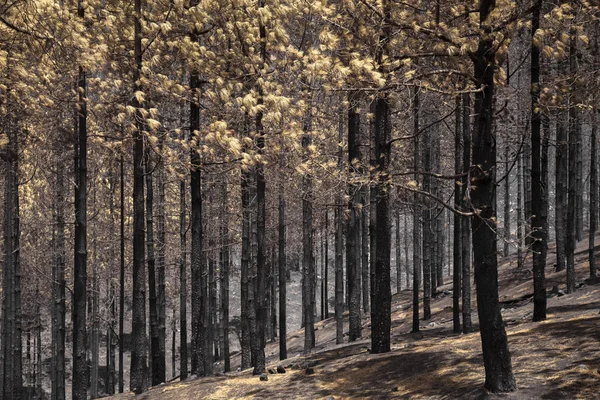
555, 359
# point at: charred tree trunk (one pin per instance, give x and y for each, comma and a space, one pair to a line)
339, 246
225, 264
466, 231
197, 262
506, 220
59, 286
574, 139
593, 196
398, 253
416, 217
308, 266
561, 200
457, 249
121, 271
496, 355
80, 370
261, 278
520, 241
11, 368
282, 271
153, 307
381, 319
246, 287
353, 227
537, 188
138, 369
161, 296
183, 349
427, 231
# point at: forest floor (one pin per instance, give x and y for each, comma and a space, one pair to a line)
555, 359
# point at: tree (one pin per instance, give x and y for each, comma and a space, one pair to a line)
353, 226
496, 356
138, 369
457, 248
80, 371
538, 233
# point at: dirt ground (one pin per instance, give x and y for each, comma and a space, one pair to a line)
555, 359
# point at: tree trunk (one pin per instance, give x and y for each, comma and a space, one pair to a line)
59, 285
281, 263
161, 296
427, 231
121, 271
381, 317
156, 374
80, 370
339, 245
537, 188
353, 228
326, 296
506, 220
572, 186
225, 263
11, 378
398, 253
466, 231
520, 241
561, 200
416, 216
593, 197
183, 349
367, 245
307, 247
496, 355
458, 201
246, 287
197, 262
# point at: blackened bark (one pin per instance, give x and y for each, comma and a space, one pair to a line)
11, 369
326, 261
121, 270
537, 188
506, 219
308, 266
457, 250
138, 369
367, 246
353, 227
197, 263
246, 287
225, 264
183, 349
339, 246
427, 231
560, 205
466, 231
261, 265
593, 197
382, 293
520, 236
572, 185
161, 298
59, 286
398, 253
153, 308
416, 216
282, 273
80, 370
496, 355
